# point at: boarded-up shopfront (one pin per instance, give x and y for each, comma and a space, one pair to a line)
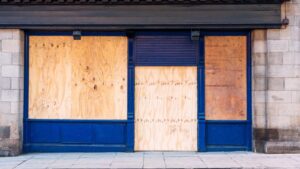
124, 78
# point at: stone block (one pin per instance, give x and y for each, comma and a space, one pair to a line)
280, 122
285, 109
279, 96
17, 58
259, 46
259, 59
5, 83
6, 34
276, 83
259, 71
259, 121
4, 107
16, 83
272, 147
259, 109
259, 96
4, 132
5, 58
259, 35
10, 147
273, 34
12, 71
292, 83
278, 45
275, 58
12, 46
282, 71
16, 107
294, 45
289, 58
296, 98
285, 33
259, 83
10, 95
17, 34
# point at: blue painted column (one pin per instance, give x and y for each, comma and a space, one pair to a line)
201, 97
130, 103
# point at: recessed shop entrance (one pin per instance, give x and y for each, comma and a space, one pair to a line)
137, 91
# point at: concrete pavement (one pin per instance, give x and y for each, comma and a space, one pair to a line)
150, 160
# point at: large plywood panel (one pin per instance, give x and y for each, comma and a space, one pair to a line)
225, 78
166, 108
77, 79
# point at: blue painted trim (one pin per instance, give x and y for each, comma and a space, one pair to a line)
201, 98
163, 33
130, 101
70, 33
226, 148
249, 91
26, 88
73, 148
227, 121
75, 121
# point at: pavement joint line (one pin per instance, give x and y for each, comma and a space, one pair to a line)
23, 162
202, 161
164, 158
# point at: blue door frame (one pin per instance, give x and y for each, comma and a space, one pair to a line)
223, 135
47, 135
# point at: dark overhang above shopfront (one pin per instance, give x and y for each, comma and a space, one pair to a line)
134, 2
140, 14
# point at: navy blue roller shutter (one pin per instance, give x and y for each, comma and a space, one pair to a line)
163, 49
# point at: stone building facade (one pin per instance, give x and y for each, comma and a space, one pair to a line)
276, 85
11, 89
275, 78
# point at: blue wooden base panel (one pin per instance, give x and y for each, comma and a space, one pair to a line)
66, 136
226, 136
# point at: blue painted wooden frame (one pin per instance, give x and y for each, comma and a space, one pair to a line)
216, 135
128, 144
38, 133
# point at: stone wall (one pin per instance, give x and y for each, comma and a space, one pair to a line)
11, 91
276, 85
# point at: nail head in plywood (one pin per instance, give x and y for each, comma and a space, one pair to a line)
225, 78
81, 79
166, 109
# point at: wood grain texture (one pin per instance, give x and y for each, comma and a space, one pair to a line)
166, 109
77, 79
225, 78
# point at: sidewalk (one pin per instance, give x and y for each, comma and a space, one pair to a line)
150, 160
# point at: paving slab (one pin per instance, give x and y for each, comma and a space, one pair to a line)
238, 160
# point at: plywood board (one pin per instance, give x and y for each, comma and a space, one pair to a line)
225, 78
165, 109
77, 79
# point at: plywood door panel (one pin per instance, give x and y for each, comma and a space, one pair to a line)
166, 108
77, 79
225, 78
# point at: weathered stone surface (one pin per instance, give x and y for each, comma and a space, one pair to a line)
11, 91
276, 62
4, 132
